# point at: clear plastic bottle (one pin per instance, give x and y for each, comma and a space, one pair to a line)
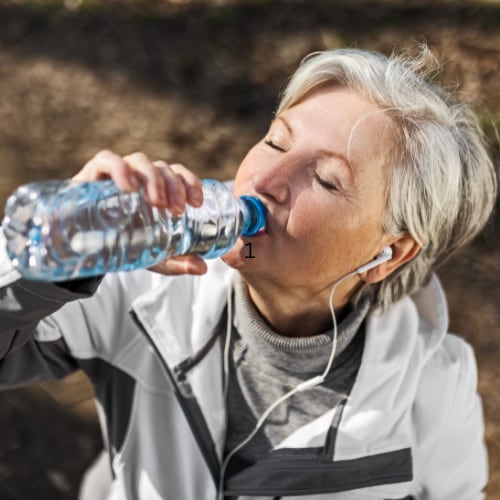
62, 230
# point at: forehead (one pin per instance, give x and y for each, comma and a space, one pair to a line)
343, 120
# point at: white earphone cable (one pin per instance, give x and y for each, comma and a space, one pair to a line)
303, 386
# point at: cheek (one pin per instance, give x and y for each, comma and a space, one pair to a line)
313, 218
314, 238
326, 234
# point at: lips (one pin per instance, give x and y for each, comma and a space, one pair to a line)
269, 216
265, 229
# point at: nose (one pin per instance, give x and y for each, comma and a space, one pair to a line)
272, 181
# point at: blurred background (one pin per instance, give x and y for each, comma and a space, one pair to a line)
197, 82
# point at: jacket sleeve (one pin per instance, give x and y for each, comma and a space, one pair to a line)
29, 351
457, 468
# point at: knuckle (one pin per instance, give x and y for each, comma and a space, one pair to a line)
106, 155
103, 152
185, 174
179, 168
161, 164
109, 159
137, 156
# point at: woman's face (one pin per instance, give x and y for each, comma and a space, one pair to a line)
320, 172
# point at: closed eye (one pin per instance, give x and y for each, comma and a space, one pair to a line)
326, 184
273, 145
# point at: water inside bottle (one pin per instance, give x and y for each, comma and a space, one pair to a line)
65, 230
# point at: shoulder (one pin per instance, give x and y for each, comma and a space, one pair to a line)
454, 359
449, 380
448, 383
446, 411
448, 418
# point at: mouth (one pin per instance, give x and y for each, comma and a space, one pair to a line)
267, 229
255, 215
259, 234
263, 232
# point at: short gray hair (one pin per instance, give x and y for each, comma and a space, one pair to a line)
442, 184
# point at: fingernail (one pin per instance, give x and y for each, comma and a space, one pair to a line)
177, 204
162, 197
196, 197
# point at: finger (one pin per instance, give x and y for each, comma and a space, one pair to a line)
175, 187
108, 165
153, 181
183, 264
192, 184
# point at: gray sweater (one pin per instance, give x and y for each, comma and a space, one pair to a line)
264, 365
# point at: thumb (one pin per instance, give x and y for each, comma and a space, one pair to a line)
182, 264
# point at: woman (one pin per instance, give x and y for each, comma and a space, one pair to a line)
232, 383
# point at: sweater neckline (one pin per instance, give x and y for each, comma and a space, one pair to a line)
305, 354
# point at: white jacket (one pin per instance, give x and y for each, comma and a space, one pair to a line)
412, 426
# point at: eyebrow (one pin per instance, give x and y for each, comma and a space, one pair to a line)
325, 152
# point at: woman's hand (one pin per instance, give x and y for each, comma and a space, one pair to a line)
166, 186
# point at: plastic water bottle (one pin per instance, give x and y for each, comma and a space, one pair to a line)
62, 230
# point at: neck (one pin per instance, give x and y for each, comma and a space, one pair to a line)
298, 312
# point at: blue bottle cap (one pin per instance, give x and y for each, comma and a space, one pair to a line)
258, 215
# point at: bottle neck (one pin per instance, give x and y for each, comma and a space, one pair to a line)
254, 215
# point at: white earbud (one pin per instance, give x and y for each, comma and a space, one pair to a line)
383, 256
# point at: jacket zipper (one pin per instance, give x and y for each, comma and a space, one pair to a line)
189, 406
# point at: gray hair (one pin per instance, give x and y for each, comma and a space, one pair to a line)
442, 185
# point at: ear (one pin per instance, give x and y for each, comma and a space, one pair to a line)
404, 248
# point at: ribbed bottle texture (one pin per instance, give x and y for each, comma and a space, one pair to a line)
62, 230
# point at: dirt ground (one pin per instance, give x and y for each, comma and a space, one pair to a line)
196, 82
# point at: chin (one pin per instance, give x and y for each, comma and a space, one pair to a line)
234, 258
240, 257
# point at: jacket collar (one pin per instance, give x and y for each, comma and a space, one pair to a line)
399, 342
